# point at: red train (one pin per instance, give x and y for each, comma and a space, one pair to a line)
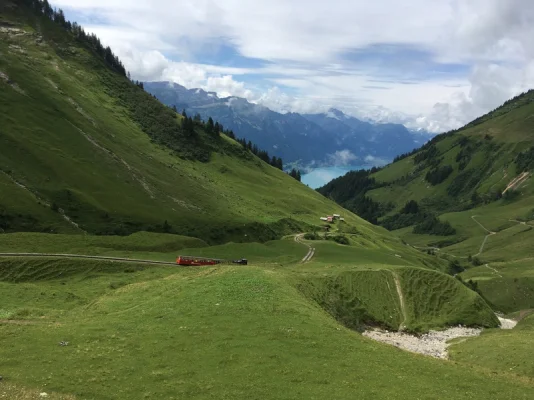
198, 261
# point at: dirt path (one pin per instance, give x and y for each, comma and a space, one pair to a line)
401, 300
490, 233
114, 259
494, 270
311, 250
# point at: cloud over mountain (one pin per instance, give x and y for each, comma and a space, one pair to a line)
432, 65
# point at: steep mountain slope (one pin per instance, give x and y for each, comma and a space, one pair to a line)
301, 139
488, 162
84, 149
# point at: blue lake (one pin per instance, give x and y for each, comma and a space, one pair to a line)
321, 176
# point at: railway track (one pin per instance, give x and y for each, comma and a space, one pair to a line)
87, 257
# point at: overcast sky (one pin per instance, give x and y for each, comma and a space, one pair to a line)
433, 64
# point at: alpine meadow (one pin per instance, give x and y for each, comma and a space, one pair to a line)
150, 254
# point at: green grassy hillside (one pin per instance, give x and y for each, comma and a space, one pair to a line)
83, 157
226, 332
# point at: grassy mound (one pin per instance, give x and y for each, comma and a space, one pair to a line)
430, 299
434, 299
358, 298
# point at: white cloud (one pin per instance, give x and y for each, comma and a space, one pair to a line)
342, 158
310, 45
375, 161
226, 86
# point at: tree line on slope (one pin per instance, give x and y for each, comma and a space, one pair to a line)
424, 221
525, 161
154, 118
43, 8
350, 192
262, 154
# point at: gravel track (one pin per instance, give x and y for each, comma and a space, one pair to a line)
311, 250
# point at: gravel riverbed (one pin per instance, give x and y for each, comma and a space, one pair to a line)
507, 323
433, 343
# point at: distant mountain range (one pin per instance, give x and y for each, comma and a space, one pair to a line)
306, 140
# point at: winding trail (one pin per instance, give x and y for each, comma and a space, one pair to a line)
311, 250
490, 233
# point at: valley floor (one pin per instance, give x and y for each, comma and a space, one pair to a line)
278, 328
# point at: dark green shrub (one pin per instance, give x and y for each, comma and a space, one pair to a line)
476, 261
312, 236
438, 174
341, 239
433, 226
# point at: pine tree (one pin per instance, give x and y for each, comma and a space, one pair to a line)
190, 127
47, 9
280, 164
209, 126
